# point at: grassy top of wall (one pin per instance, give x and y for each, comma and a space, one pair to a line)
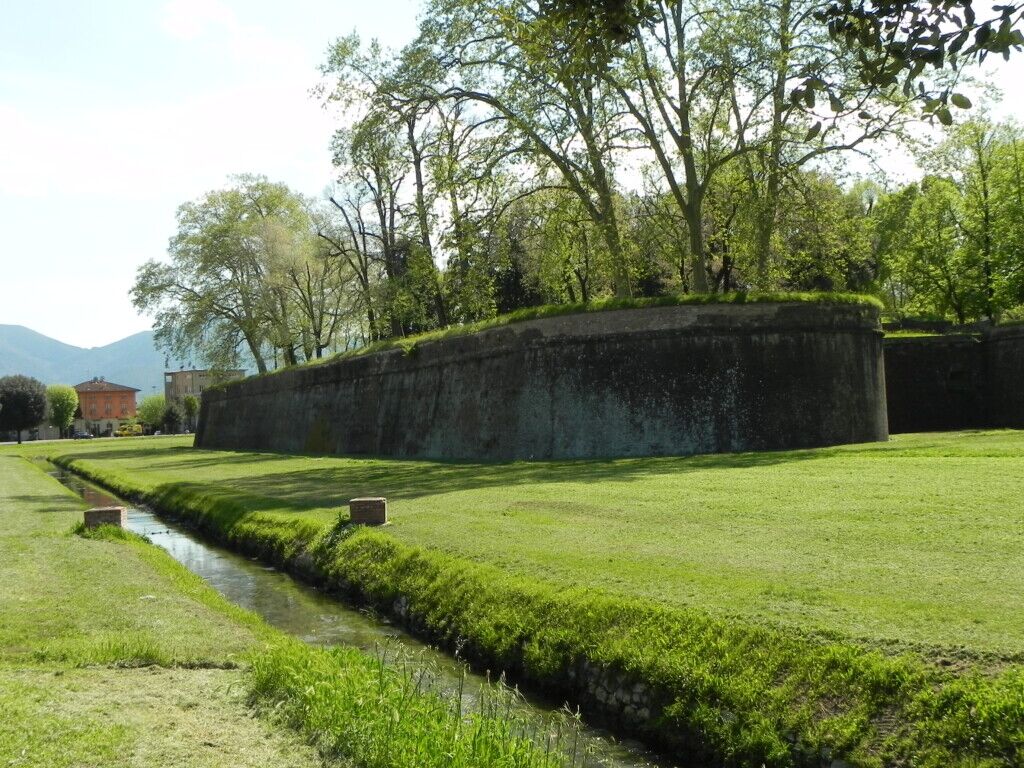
408, 343
911, 334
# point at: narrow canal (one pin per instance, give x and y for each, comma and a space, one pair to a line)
319, 619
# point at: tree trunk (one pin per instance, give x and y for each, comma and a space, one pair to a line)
770, 204
695, 231
254, 350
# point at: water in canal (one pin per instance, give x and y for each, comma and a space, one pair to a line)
319, 619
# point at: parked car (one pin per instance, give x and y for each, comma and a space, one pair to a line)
82, 435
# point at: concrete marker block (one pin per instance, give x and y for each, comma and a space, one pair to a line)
368, 511
106, 516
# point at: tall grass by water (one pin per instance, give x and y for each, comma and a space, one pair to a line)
368, 710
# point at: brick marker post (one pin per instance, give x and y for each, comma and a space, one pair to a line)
369, 511
106, 516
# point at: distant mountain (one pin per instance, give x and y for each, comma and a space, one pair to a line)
134, 361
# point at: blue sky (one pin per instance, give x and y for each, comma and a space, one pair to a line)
112, 113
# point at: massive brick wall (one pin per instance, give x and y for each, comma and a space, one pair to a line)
935, 383
1004, 357
958, 381
638, 382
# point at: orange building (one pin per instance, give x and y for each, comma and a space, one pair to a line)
103, 406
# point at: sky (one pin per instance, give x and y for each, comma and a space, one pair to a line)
114, 112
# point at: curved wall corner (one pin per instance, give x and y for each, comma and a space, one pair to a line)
638, 382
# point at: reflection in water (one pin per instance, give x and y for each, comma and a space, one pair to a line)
318, 619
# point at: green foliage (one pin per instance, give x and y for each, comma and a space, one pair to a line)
22, 403
151, 411
358, 708
241, 275
898, 41
932, 268
173, 416
951, 245
63, 402
190, 406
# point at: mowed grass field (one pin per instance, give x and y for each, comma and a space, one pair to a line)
918, 542
112, 655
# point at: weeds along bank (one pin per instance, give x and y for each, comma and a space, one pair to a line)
712, 689
113, 654
658, 380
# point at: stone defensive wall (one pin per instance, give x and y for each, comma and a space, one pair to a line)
956, 381
1004, 357
670, 380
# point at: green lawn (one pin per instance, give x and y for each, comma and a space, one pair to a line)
112, 655
919, 541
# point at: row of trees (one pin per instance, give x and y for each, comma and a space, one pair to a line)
954, 243
156, 412
505, 159
25, 403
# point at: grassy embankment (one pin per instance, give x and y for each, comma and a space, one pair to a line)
112, 654
861, 601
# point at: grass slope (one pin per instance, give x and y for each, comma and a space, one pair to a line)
913, 542
112, 654
860, 601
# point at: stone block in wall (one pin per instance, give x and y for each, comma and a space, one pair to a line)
98, 516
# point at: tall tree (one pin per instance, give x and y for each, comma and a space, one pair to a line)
214, 292
22, 403
62, 402
935, 273
896, 42
391, 142
984, 161
151, 411
710, 85
499, 54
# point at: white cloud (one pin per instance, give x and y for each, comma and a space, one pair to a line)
138, 150
98, 175
191, 19
260, 119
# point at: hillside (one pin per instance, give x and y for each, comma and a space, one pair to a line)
133, 361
